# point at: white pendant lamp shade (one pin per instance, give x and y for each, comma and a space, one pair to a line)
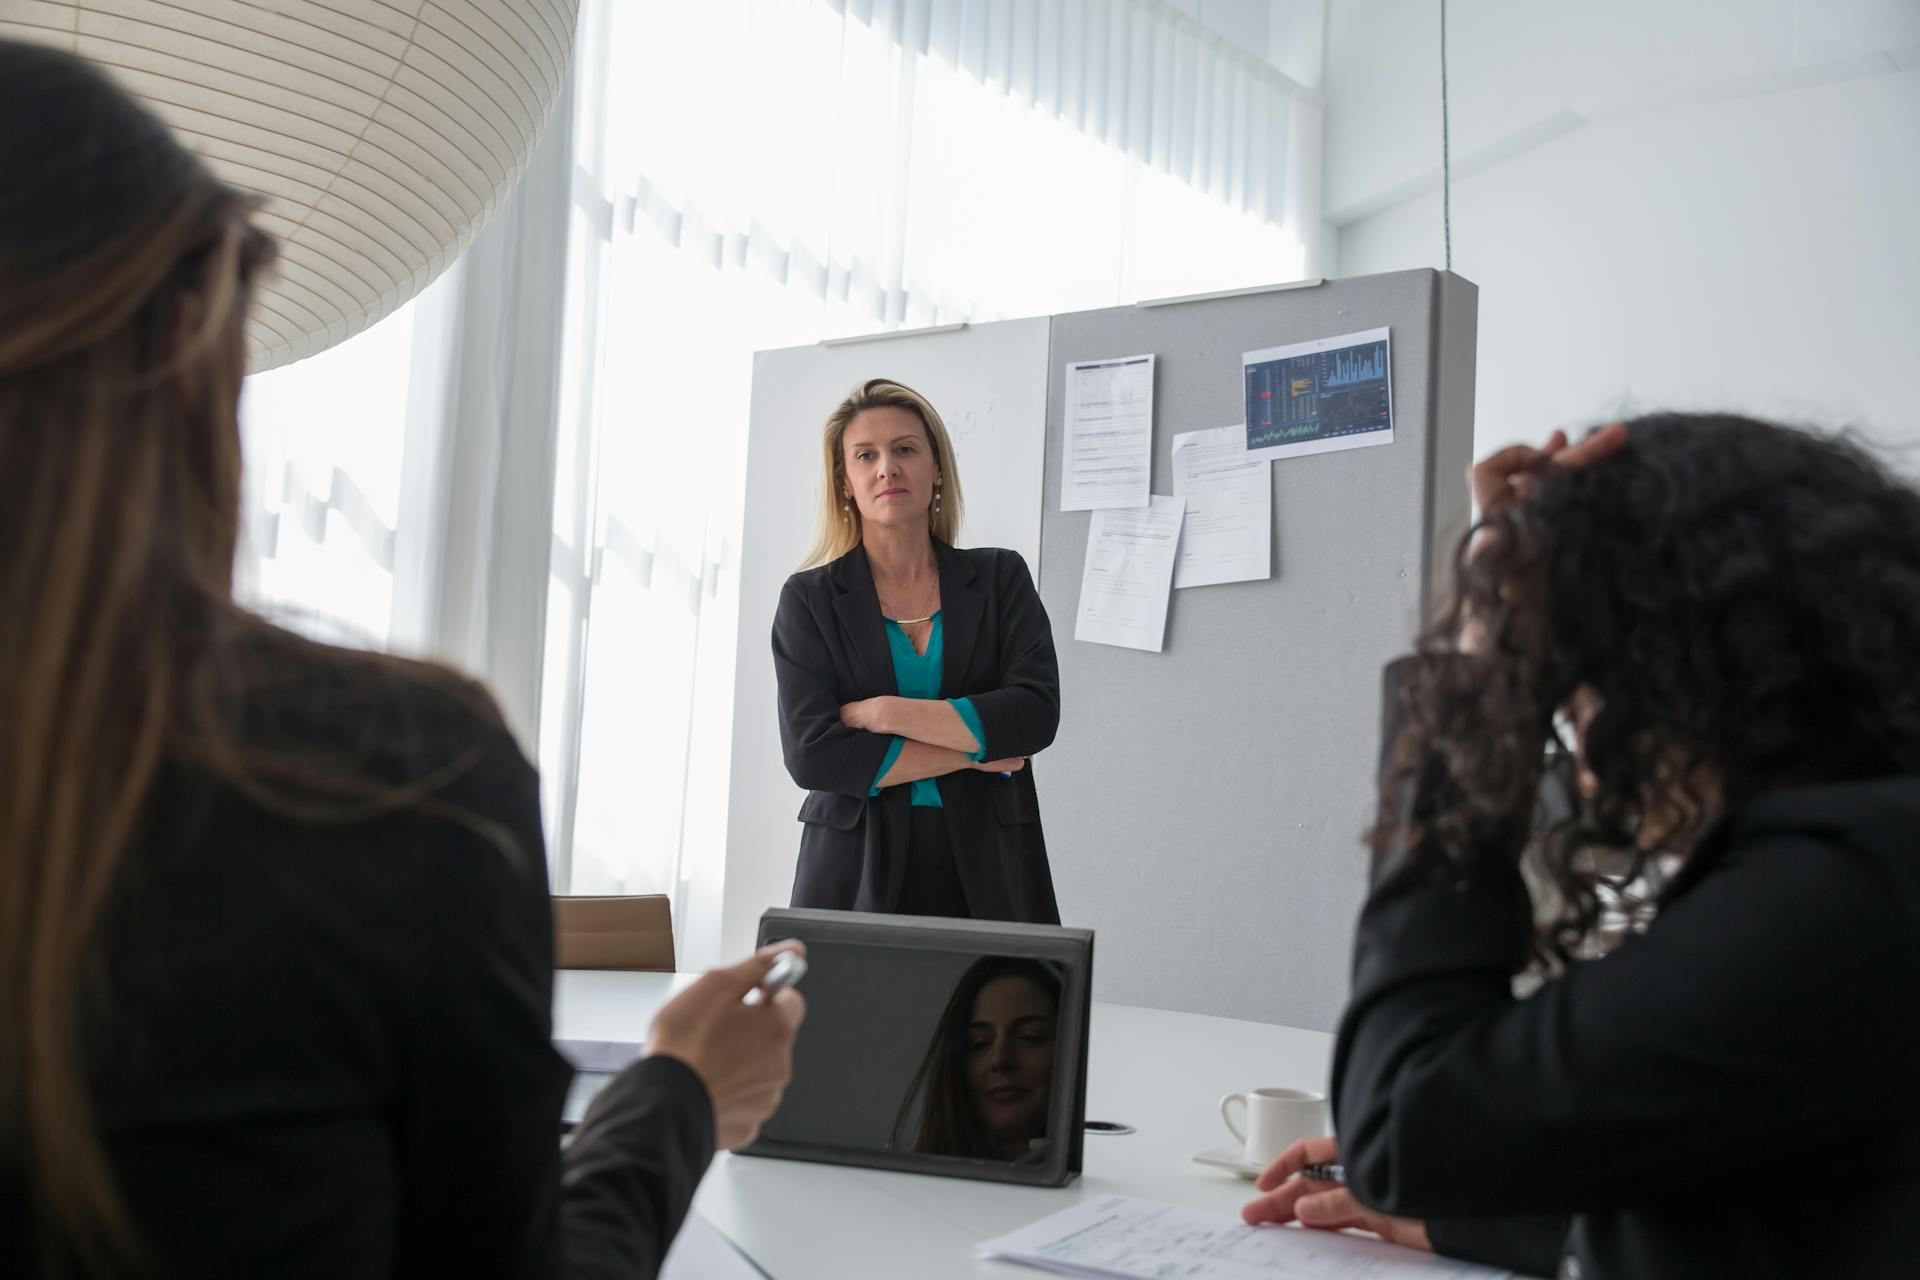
379, 133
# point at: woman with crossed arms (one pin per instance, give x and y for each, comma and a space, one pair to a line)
915, 679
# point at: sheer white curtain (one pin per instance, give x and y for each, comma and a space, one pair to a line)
323, 442
753, 174
398, 487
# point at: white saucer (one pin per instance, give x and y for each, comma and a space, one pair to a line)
1232, 1158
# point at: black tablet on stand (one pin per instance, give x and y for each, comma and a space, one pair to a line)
950, 1047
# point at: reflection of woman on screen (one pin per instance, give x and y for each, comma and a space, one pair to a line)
983, 1089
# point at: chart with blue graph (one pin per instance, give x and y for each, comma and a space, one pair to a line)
1315, 397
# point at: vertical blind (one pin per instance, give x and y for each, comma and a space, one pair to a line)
734, 176
752, 174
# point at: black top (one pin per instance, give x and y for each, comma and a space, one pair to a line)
1729, 1093
326, 1049
830, 648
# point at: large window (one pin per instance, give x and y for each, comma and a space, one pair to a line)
763, 173
325, 442
745, 175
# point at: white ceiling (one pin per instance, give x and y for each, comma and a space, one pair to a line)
1522, 72
1287, 34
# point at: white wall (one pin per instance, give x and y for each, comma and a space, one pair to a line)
1735, 228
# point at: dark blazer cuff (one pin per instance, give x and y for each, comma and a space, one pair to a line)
668, 1085
1015, 721
862, 756
628, 1178
1528, 1245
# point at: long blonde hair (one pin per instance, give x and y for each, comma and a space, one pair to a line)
837, 524
125, 275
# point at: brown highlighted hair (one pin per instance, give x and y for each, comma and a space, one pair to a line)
125, 277
938, 1107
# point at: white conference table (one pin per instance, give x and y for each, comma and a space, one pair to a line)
1161, 1072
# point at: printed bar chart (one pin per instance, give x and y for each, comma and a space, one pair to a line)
1316, 397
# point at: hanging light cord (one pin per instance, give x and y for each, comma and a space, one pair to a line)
1446, 164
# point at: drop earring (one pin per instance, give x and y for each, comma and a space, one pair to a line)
936, 496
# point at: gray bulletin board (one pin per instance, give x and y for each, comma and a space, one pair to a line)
1203, 805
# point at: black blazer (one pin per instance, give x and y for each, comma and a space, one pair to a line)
324, 1050
1729, 1093
830, 648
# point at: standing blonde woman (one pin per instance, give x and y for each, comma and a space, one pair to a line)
916, 680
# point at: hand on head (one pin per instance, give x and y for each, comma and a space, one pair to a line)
743, 1053
1504, 476
1328, 1206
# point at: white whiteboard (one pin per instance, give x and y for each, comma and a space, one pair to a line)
989, 383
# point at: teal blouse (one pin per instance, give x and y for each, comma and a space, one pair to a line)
918, 676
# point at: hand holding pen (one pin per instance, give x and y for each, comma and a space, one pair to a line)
1306, 1184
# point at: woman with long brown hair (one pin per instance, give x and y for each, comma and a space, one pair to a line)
984, 1088
275, 944
1703, 630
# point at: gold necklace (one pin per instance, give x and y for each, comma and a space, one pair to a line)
934, 591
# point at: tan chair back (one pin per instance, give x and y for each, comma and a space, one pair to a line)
634, 933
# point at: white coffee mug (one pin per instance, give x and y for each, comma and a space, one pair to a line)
1276, 1119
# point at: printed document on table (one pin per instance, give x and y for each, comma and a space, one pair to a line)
1319, 396
1109, 446
1227, 535
1129, 570
1128, 1239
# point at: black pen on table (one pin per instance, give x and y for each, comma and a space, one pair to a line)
1325, 1172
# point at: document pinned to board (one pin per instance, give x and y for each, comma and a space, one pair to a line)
1109, 441
1128, 574
1120, 1238
1227, 535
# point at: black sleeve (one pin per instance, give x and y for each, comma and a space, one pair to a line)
1022, 715
632, 1169
483, 1085
1531, 1246
822, 754
1747, 1021
479, 1119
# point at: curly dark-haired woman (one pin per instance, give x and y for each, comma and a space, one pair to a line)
1717, 1076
